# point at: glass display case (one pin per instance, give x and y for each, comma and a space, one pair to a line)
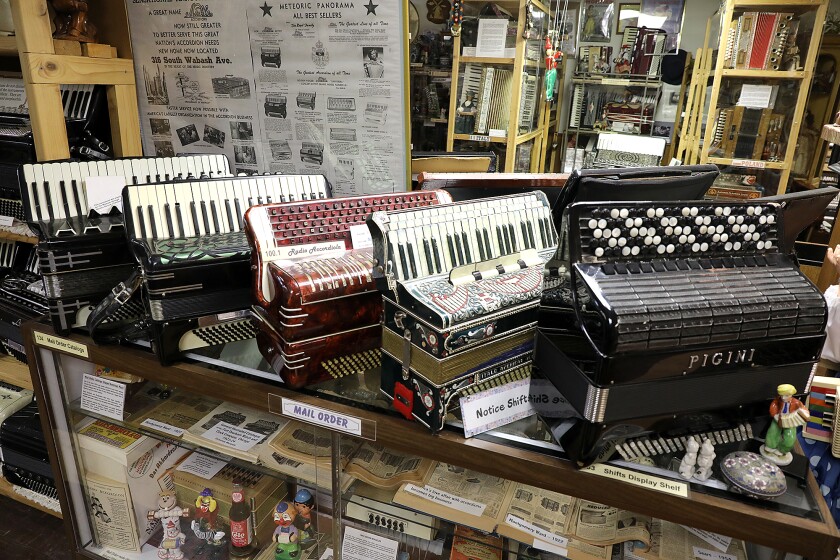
148, 459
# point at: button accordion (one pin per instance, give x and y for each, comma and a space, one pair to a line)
306, 100
684, 307
461, 285
313, 279
83, 254
190, 242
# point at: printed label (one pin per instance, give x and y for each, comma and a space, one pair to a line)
615, 81
640, 479
446, 499
540, 534
479, 138
58, 343
361, 545
720, 542
162, 427
6, 221
548, 402
360, 236
496, 407
103, 396
322, 417
240, 532
233, 436
704, 554
202, 465
754, 164
296, 252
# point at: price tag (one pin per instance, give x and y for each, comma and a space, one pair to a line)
479, 138
751, 163
446, 499
103, 396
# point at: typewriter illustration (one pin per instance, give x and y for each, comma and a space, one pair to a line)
312, 152
341, 104
461, 287
270, 56
306, 100
275, 106
376, 113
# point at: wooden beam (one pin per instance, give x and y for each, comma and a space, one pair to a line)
125, 124
96, 50
32, 26
45, 111
51, 69
62, 47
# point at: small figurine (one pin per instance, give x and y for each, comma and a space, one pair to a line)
170, 517
304, 502
788, 414
286, 534
705, 461
71, 21
465, 116
206, 518
690, 459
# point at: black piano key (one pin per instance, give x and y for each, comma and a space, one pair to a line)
525, 236
487, 244
480, 243
77, 198
452, 254
466, 243
250, 201
501, 238
152, 221
142, 222
239, 213
403, 261
196, 222
543, 233
411, 260
169, 225
205, 216
215, 215
512, 233
181, 231
64, 201
229, 212
37, 201
428, 252
438, 266
531, 235
459, 249
48, 196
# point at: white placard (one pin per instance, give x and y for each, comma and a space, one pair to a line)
755, 96
162, 427
13, 96
548, 402
496, 407
360, 545
639, 479
360, 235
549, 547
498, 132
704, 554
322, 417
202, 465
6, 221
327, 555
233, 436
492, 35
103, 396
446, 499
539, 534
297, 252
720, 542
104, 193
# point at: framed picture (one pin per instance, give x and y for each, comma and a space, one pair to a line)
666, 15
628, 16
598, 19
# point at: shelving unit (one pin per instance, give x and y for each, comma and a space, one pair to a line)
801, 79
513, 139
717, 511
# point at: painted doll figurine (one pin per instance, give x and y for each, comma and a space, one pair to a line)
170, 517
304, 502
285, 535
788, 414
206, 518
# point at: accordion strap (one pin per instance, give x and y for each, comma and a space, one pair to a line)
117, 330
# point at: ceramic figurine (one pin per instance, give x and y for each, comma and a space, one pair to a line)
71, 21
304, 502
788, 414
285, 535
753, 475
705, 461
170, 517
206, 519
690, 459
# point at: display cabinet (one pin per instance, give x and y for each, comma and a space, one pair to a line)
379, 484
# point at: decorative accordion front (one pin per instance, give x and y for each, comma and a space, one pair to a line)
83, 254
318, 309
189, 240
462, 285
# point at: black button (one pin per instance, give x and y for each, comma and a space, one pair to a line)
658, 265
694, 265
621, 268
671, 265
682, 264
646, 267
608, 268
634, 268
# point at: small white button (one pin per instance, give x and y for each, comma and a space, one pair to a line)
599, 252
716, 237
751, 228
638, 222
626, 251
750, 211
686, 211
736, 228
698, 220
663, 222
728, 246
739, 220
758, 210
707, 220
730, 220
736, 245
660, 212
683, 238
624, 212
635, 250
602, 223
694, 210
669, 230
669, 248
678, 230
593, 224
648, 240
704, 247
719, 229
762, 220
695, 248
634, 232
768, 244
703, 230
613, 242
614, 213
657, 239
672, 221
622, 241
616, 232
760, 245
691, 238
771, 219
724, 237
661, 249
651, 213
719, 211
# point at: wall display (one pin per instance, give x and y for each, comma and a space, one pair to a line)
628, 15
273, 103
598, 19
666, 15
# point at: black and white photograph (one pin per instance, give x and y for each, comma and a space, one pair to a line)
270, 56
213, 135
372, 59
155, 82
164, 148
245, 155
188, 134
232, 87
160, 127
241, 130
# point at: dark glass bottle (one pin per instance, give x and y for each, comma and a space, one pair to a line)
242, 543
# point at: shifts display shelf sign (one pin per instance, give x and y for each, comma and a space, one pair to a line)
290, 87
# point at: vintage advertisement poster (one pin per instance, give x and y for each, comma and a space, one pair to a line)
311, 87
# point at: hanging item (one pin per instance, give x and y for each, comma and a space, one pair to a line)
456, 17
437, 10
530, 30
553, 54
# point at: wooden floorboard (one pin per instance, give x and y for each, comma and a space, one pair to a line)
26, 533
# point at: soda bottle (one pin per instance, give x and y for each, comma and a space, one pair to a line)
241, 531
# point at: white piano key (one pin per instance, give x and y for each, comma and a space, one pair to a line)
57, 210
189, 163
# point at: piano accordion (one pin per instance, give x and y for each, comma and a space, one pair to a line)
83, 254
461, 286
648, 49
190, 243
677, 301
306, 100
275, 106
312, 283
312, 152
341, 104
376, 113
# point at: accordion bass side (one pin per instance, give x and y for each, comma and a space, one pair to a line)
312, 283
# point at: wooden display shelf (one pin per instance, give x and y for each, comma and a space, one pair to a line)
486, 60
777, 3
9, 236
612, 81
756, 164
778, 74
521, 138
727, 515
7, 490
14, 372
8, 46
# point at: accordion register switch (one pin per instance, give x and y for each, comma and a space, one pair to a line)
461, 287
315, 299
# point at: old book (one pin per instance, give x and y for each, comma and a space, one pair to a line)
469, 544
112, 513
180, 411
675, 541
234, 430
305, 452
383, 468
